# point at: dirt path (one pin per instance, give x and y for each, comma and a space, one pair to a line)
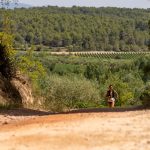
77, 131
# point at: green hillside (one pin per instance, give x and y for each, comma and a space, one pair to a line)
80, 28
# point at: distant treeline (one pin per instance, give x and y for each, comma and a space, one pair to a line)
81, 28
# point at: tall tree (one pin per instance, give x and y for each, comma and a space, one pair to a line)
6, 65
149, 35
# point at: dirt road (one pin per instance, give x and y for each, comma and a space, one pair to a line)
78, 131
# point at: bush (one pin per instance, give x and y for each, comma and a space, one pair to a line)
6, 60
29, 65
145, 96
63, 93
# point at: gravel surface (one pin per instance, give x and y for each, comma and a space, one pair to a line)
35, 130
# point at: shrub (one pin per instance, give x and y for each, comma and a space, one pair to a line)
123, 89
6, 59
145, 96
63, 93
29, 65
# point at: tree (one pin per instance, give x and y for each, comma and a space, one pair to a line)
149, 35
82, 27
6, 50
145, 96
6, 65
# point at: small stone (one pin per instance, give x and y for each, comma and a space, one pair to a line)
148, 142
4, 123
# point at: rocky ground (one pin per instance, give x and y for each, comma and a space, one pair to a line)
80, 130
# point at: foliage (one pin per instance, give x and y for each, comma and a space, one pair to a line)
6, 57
123, 90
145, 96
126, 76
143, 64
113, 55
81, 28
8, 106
30, 66
69, 82
68, 93
149, 35
6, 43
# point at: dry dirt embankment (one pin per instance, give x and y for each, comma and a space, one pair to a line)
15, 90
76, 131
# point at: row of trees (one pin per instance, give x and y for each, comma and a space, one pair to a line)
81, 28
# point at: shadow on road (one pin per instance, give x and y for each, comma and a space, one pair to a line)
94, 110
23, 112
30, 112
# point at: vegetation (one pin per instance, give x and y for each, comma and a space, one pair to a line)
8, 64
145, 96
112, 55
29, 66
149, 34
6, 43
63, 93
6, 59
68, 82
78, 82
80, 28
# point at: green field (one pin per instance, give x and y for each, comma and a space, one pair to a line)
104, 55
121, 55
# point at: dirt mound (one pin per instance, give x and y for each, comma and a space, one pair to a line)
16, 89
5, 94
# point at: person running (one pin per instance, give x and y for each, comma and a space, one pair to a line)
111, 96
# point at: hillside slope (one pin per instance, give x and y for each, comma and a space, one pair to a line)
81, 28
17, 91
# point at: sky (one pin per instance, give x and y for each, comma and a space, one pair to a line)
96, 3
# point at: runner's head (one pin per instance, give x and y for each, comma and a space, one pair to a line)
110, 87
